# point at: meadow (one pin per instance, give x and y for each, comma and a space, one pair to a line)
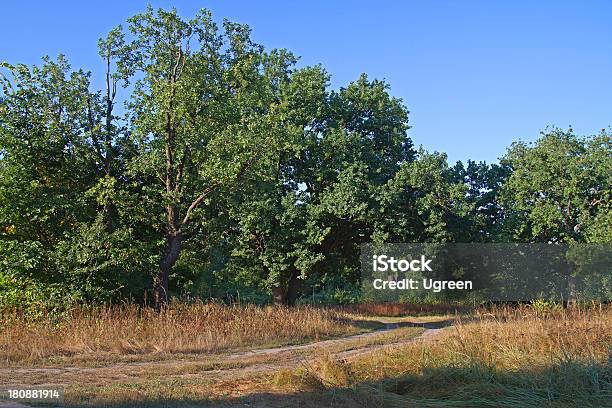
129, 330
500, 357
539, 355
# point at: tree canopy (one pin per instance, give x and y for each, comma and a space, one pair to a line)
230, 171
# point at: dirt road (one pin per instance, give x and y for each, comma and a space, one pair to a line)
220, 368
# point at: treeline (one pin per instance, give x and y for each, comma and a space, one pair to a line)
230, 173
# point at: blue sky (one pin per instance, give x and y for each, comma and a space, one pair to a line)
476, 75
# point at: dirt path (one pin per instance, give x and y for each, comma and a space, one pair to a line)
225, 366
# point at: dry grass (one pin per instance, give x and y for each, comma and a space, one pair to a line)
510, 340
501, 357
505, 357
128, 330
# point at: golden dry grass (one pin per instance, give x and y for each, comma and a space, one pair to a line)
510, 342
508, 357
203, 328
502, 357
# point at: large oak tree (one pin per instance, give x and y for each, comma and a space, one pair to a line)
204, 111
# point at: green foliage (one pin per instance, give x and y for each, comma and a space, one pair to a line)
234, 174
559, 190
425, 203
544, 307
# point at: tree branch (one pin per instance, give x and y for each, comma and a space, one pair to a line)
181, 167
196, 203
94, 137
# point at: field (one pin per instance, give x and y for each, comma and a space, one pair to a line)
131, 332
214, 355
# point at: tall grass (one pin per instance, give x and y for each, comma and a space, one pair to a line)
200, 328
520, 356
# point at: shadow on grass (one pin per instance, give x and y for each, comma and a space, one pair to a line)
427, 325
569, 384
374, 325
397, 309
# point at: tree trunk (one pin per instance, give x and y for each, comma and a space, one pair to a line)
171, 254
278, 295
286, 293
293, 287
572, 295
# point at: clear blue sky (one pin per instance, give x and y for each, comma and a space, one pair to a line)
476, 75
